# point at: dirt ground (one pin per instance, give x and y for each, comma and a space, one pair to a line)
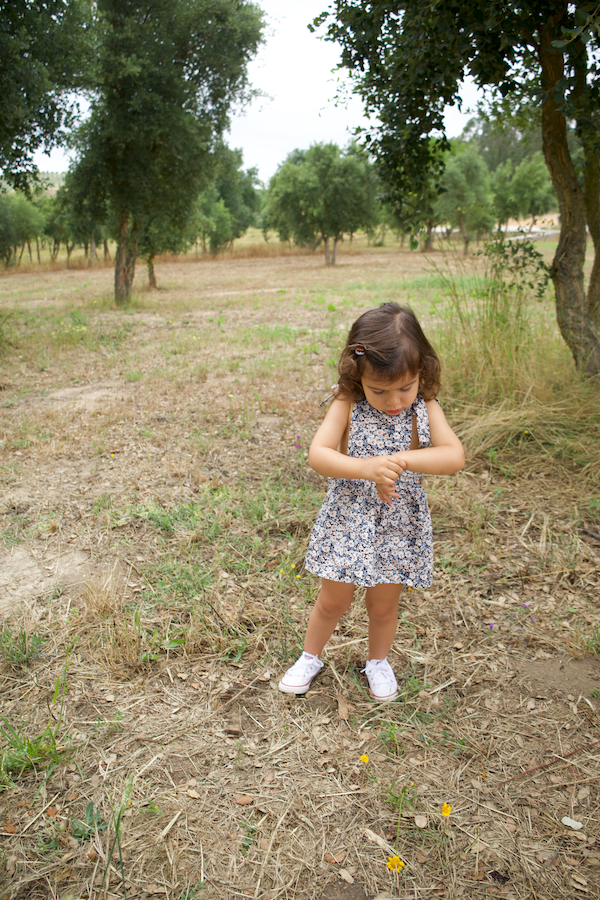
178, 769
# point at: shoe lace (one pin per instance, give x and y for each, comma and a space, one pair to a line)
377, 671
303, 666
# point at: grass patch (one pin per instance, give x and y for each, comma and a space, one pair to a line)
19, 649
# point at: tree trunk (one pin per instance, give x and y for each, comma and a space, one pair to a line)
21, 255
588, 128
69, 250
106, 251
592, 205
92, 249
151, 274
428, 244
37, 244
327, 253
130, 259
567, 267
334, 251
591, 197
463, 233
121, 292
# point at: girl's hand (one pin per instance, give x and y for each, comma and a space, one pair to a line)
386, 493
445, 454
383, 470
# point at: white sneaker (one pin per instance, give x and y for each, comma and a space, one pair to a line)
382, 680
298, 678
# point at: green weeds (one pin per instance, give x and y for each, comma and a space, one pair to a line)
592, 642
19, 649
390, 739
92, 823
248, 837
20, 751
117, 827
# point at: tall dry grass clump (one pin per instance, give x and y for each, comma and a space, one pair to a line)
509, 377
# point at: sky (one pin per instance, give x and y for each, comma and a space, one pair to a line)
294, 72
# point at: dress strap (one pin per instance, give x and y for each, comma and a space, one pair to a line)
419, 409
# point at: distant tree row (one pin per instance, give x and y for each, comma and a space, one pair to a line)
218, 215
323, 193
316, 197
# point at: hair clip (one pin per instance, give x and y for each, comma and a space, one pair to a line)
360, 350
334, 390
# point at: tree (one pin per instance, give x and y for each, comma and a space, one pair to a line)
28, 222
507, 141
408, 59
8, 233
237, 189
532, 189
44, 55
465, 202
222, 212
57, 228
322, 193
168, 72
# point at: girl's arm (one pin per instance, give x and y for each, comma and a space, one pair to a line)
325, 458
445, 456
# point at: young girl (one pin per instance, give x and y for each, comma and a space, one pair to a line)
383, 430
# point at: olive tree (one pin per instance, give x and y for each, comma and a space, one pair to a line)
44, 56
168, 72
408, 59
322, 193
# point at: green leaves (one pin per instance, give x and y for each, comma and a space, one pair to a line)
44, 57
168, 72
322, 193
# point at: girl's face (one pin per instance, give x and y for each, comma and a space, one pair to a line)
391, 397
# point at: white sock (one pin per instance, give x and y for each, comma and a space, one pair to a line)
310, 655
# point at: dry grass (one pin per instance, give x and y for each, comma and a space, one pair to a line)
155, 510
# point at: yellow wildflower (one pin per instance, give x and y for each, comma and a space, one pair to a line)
395, 864
446, 809
364, 758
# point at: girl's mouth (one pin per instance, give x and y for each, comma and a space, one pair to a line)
393, 412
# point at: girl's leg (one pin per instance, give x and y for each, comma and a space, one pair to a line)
333, 601
382, 607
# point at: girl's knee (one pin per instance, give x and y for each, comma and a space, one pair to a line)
382, 614
334, 603
382, 609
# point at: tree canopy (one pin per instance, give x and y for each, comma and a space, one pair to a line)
322, 193
44, 58
168, 72
466, 201
408, 59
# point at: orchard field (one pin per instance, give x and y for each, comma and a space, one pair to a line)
156, 503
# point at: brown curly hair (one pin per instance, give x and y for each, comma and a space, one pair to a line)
393, 345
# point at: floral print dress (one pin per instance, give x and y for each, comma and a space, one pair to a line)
359, 539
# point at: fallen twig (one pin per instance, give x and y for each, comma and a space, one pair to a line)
551, 763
